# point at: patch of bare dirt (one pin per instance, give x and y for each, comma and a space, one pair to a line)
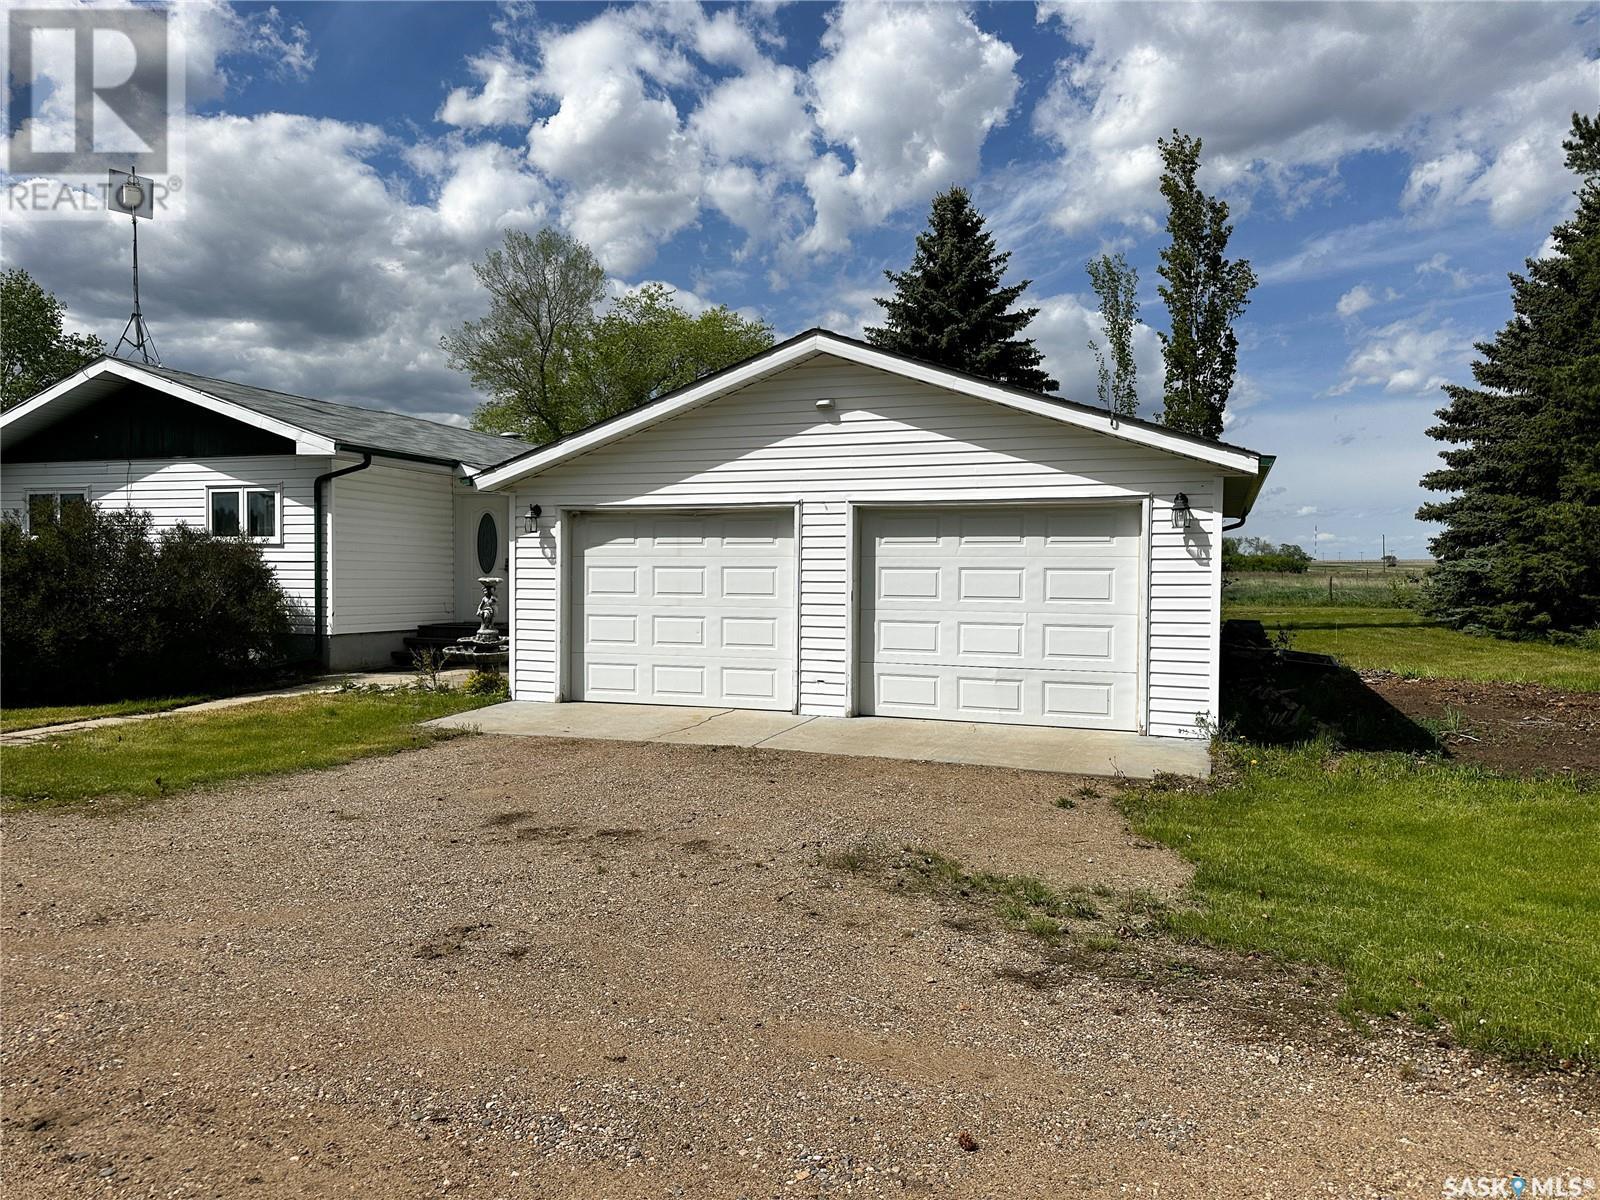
667, 991
1524, 728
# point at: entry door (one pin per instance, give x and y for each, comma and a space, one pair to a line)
481, 549
1027, 615
684, 608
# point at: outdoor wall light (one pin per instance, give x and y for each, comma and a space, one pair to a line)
530, 519
1180, 509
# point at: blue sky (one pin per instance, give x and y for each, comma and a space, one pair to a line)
1387, 165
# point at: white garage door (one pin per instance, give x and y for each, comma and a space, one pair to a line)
686, 608
1025, 615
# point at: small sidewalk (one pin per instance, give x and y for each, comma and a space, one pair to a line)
328, 683
1026, 747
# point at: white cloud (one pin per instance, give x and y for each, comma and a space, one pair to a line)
1357, 299
629, 171
1282, 94
1458, 278
1063, 330
505, 96
1407, 357
910, 92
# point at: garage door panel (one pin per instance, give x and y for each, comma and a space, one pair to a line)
1022, 615
1023, 696
693, 609
998, 638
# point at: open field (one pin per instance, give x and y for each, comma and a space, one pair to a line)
1462, 898
1355, 584
1407, 643
170, 754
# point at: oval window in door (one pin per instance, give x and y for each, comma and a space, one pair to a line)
488, 544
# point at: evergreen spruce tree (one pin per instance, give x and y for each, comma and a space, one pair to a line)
1204, 294
1519, 553
950, 306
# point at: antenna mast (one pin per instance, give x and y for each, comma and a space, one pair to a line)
133, 195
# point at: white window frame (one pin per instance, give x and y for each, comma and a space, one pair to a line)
57, 492
243, 491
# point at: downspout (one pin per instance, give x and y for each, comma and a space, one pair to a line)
319, 554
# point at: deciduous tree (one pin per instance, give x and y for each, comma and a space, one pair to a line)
1117, 285
543, 289
35, 351
1204, 293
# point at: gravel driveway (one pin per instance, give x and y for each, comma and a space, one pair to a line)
511, 967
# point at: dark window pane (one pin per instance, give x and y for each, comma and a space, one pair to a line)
488, 544
72, 500
263, 514
41, 509
225, 514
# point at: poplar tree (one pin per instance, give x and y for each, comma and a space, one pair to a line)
1117, 285
1519, 553
950, 306
1204, 293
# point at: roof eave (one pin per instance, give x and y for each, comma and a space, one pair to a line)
802, 346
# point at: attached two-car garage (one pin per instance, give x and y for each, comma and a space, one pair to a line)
1026, 615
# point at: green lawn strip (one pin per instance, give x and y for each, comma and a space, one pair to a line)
1442, 892
171, 754
32, 718
1404, 641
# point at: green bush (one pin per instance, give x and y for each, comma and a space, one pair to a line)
486, 683
97, 606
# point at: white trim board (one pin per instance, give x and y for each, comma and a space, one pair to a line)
797, 350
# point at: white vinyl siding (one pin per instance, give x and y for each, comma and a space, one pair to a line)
887, 439
175, 493
393, 549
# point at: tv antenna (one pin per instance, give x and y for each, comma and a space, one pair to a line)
134, 194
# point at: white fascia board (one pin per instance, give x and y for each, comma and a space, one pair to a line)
305, 442
762, 365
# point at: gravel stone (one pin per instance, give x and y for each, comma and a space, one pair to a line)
550, 968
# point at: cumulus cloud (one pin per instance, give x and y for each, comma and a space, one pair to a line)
1341, 80
504, 96
1357, 299
910, 92
296, 263
1065, 326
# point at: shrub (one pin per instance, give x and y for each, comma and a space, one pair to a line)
486, 683
97, 606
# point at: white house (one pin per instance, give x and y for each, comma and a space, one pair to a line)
830, 529
367, 517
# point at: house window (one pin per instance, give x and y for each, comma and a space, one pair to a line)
252, 512
45, 508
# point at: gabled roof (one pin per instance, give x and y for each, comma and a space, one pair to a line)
316, 426
1250, 466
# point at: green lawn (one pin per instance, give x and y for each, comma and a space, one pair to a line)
1404, 641
1443, 892
155, 758
32, 718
